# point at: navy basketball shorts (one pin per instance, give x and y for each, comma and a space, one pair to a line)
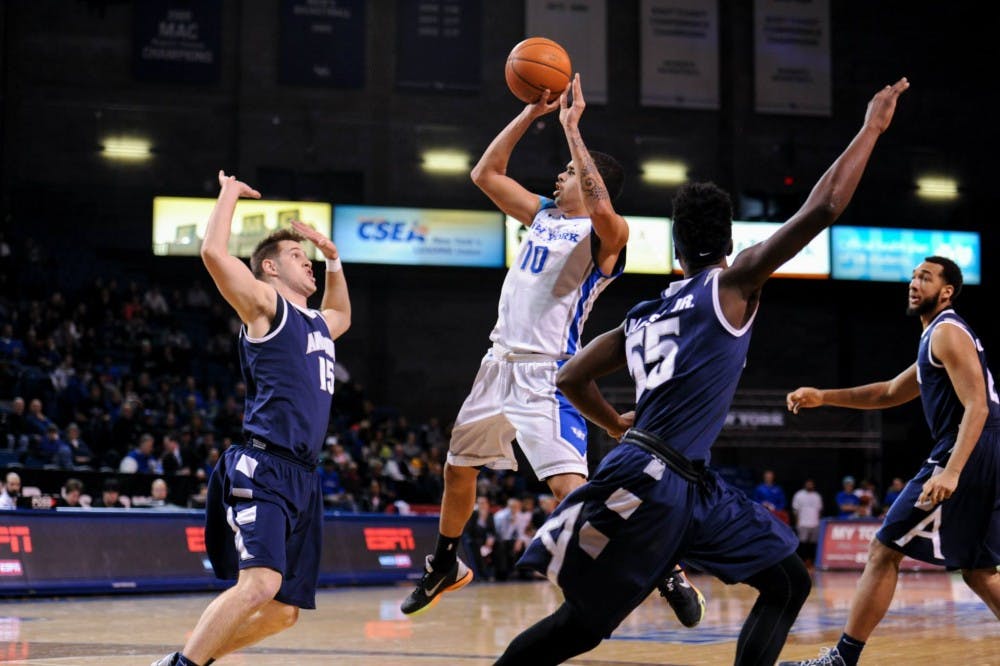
266, 511
612, 540
963, 532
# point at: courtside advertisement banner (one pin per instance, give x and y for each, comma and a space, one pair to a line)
419, 236
649, 250
179, 223
889, 255
843, 546
813, 261
146, 550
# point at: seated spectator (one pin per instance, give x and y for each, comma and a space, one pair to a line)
175, 461
36, 419
15, 426
771, 496
52, 450
480, 537
374, 500
110, 496
868, 496
11, 491
159, 493
69, 497
892, 493
140, 459
199, 499
330, 482
847, 501
81, 454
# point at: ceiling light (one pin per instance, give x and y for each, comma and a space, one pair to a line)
126, 149
937, 188
445, 161
664, 173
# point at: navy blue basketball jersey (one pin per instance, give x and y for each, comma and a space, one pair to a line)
942, 408
686, 360
289, 378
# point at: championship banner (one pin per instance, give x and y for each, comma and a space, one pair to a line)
813, 261
649, 249
179, 223
322, 43
581, 28
438, 45
843, 546
792, 57
680, 53
890, 255
177, 41
419, 236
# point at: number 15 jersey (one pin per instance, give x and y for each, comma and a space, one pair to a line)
686, 360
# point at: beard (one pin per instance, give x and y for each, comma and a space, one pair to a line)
925, 306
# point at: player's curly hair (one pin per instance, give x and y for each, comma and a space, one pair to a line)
268, 249
702, 223
950, 271
611, 172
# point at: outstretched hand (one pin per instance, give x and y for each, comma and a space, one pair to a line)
569, 114
883, 105
242, 189
804, 396
324, 244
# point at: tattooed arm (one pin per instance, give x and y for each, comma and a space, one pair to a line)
610, 227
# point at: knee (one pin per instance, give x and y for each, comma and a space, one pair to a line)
979, 579
456, 474
881, 556
799, 580
257, 590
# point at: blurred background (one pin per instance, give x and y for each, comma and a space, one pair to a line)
107, 104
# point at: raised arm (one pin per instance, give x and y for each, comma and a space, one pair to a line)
336, 305
900, 389
956, 350
252, 299
577, 380
610, 227
490, 173
827, 200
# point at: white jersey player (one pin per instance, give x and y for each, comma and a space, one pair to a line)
574, 246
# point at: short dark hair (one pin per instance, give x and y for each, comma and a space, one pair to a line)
950, 271
702, 222
268, 249
611, 172
73, 484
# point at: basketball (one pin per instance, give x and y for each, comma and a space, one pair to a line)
535, 64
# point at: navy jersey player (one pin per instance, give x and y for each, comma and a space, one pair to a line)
653, 500
949, 513
265, 509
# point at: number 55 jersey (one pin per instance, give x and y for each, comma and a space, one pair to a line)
686, 360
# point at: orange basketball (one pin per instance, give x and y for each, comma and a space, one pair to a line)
535, 64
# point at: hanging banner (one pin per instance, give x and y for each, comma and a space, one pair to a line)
792, 57
438, 45
580, 27
177, 41
322, 43
680, 53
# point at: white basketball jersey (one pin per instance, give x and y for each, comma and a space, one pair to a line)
550, 289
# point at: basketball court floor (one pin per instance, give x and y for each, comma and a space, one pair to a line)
935, 620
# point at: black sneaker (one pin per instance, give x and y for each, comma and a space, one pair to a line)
827, 657
686, 599
430, 588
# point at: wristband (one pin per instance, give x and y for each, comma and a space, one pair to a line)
333, 265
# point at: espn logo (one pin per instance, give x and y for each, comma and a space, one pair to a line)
389, 538
17, 538
195, 539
